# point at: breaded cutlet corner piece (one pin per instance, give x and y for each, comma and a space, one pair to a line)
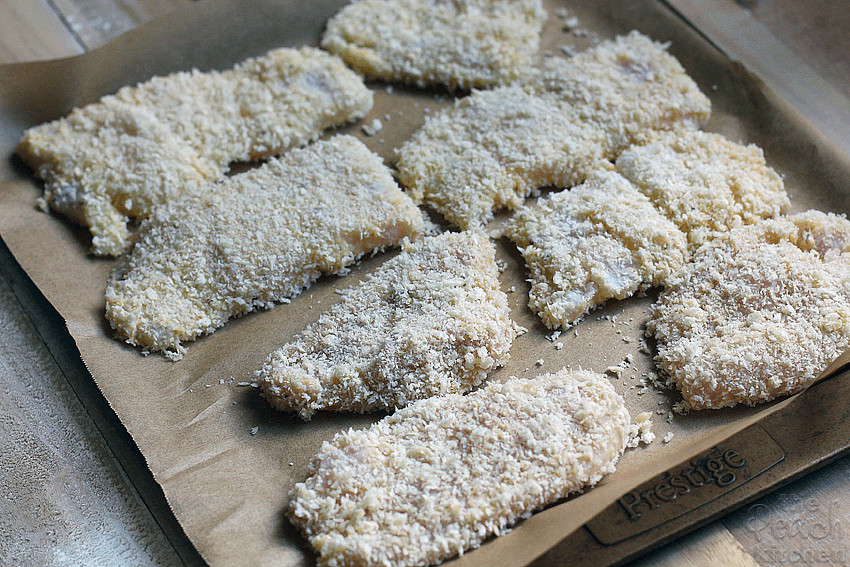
459, 44
115, 160
600, 240
260, 237
430, 321
443, 474
705, 183
495, 148
758, 313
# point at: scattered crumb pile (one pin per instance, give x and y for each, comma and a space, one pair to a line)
641, 431
258, 238
600, 240
759, 313
496, 147
118, 158
460, 44
432, 320
440, 476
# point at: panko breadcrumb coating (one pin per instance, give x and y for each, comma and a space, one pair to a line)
759, 313
260, 237
705, 183
628, 87
496, 147
118, 158
600, 240
440, 476
457, 43
432, 320
491, 151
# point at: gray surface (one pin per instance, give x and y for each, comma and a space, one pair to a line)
64, 499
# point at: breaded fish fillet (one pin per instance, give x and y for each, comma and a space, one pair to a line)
458, 43
600, 240
440, 476
496, 147
627, 87
260, 237
759, 313
492, 150
116, 159
705, 183
432, 320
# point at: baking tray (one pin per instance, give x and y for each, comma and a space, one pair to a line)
190, 420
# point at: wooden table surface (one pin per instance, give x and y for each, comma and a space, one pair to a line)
81, 508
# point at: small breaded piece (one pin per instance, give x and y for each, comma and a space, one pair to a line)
759, 312
460, 44
705, 183
600, 240
496, 147
439, 477
115, 160
432, 320
260, 237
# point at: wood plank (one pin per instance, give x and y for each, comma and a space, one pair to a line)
95, 22
64, 498
710, 546
735, 30
31, 29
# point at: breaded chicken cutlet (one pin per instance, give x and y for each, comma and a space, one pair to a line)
600, 240
460, 44
440, 476
496, 147
758, 313
705, 183
258, 238
115, 160
430, 321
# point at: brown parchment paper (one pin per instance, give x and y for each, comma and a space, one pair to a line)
192, 422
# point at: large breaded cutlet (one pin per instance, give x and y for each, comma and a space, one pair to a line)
598, 241
460, 44
705, 183
441, 475
430, 321
115, 160
258, 238
491, 151
496, 147
759, 312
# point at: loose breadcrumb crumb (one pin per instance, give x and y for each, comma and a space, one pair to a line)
432, 320
440, 476
459, 44
641, 431
373, 127
117, 159
759, 313
257, 238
